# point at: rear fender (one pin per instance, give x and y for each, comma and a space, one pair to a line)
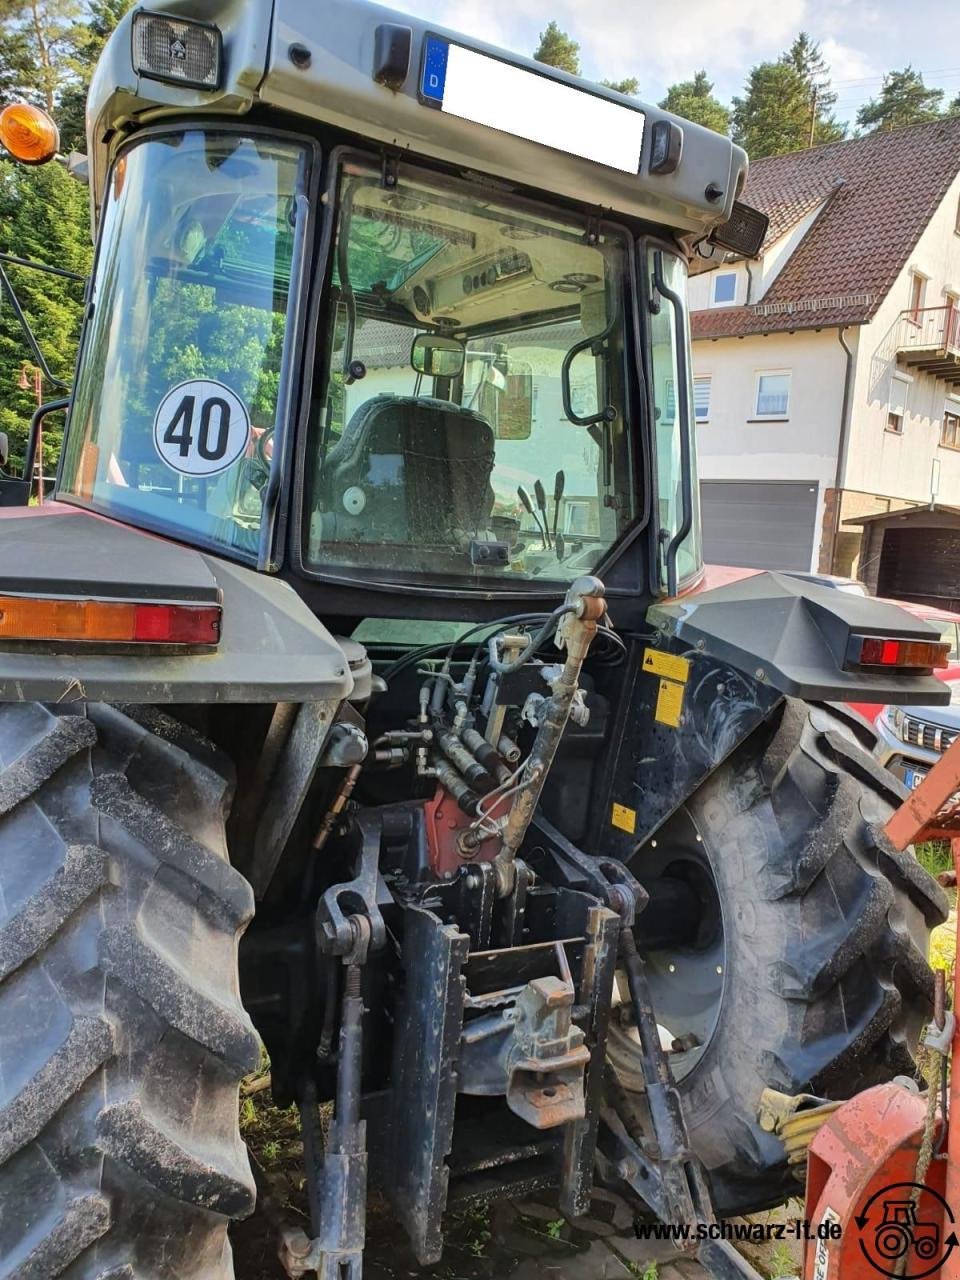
272, 648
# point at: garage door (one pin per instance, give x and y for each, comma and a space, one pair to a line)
921, 564
759, 524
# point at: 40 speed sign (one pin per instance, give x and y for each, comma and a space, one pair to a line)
201, 428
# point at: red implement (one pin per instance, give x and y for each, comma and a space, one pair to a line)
864, 1217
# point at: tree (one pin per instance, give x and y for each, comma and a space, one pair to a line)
44, 216
36, 39
557, 49
88, 40
805, 56
787, 103
904, 99
694, 100
629, 85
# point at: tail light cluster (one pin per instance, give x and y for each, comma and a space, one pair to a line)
108, 621
887, 651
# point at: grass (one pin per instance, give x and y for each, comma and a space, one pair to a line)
782, 1262
935, 856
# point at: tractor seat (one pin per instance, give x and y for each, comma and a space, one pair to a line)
409, 469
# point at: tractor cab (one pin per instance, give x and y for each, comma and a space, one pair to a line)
436, 355
367, 617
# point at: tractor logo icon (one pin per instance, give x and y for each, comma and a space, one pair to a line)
906, 1231
900, 1231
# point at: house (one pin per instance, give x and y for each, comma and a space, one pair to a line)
827, 370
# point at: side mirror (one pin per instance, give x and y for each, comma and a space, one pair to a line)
4, 449
437, 356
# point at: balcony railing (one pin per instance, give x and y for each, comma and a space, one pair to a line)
930, 329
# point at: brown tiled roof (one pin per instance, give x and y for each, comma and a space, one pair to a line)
878, 194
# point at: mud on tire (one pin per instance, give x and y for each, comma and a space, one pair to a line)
122, 1035
826, 985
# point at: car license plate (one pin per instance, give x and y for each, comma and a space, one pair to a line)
913, 778
487, 91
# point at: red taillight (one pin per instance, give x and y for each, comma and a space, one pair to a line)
176, 624
107, 621
881, 651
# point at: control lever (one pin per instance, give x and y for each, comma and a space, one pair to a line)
558, 486
525, 499
541, 497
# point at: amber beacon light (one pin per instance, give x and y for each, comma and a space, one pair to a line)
28, 133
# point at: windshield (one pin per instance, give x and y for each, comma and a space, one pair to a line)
473, 420
176, 398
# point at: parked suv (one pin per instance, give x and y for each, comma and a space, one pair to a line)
910, 740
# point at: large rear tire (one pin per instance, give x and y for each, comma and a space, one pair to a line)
809, 971
122, 1035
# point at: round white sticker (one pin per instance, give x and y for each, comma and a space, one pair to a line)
201, 428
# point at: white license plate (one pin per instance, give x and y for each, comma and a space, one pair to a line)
913, 778
514, 100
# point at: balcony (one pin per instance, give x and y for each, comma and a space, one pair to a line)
929, 340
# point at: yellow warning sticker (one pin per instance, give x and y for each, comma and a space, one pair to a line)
669, 703
624, 818
666, 664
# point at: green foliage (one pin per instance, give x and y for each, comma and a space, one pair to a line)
555, 1229
787, 104
557, 49
36, 40
694, 100
935, 856
629, 85
904, 99
48, 49
782, 1262
44, 217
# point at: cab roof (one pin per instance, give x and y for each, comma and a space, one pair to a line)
316, 61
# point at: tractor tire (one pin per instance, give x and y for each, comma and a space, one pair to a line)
818, 940
122, 1035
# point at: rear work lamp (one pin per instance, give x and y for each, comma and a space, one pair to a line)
887, 652
108, 621
177, 51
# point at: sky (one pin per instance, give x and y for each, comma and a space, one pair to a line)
661, 41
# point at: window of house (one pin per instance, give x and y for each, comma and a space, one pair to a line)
897, 404
917, 287
773, 394
956, 225
701, 397
950, 427
724, 288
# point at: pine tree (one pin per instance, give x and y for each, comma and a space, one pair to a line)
787, 104
694, 100
904, 99
805, 56
36, 40
557, 49
629, 85
44, 216
88, 40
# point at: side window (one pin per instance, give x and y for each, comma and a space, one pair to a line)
724, 293
669, 348
773, 394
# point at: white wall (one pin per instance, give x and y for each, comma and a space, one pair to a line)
732, 447
879, 461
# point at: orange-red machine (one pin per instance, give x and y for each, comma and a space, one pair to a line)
883, 1172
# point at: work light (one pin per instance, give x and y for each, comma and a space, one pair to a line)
176, 51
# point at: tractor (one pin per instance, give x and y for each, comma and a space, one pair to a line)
363, 693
